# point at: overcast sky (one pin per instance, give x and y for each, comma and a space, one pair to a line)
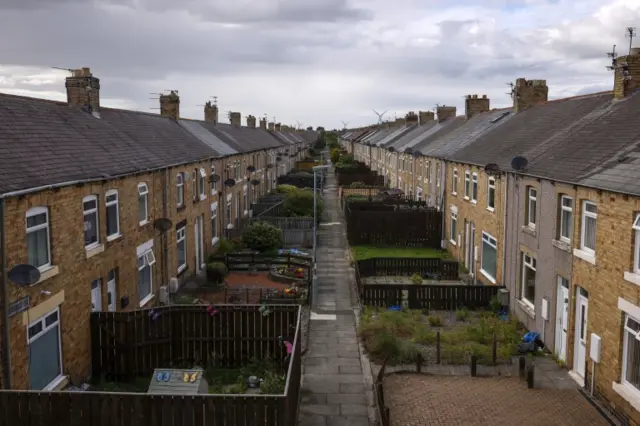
317, 62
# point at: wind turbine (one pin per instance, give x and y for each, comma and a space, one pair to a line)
379, 116
344, 125
299, 124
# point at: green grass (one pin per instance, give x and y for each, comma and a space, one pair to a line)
367, 252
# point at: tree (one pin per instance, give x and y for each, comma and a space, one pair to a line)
262, 237
335, 155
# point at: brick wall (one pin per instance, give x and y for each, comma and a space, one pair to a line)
605, 283
483, 219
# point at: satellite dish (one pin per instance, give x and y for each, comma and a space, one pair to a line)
214, 178
251, 169
519, 163
278, 159
391, 149
230, 182
417, 154
162, 224
269, 166
255, 182
24, 275
408, 151
492, 169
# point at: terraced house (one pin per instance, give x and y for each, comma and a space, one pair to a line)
114, 208
544, 198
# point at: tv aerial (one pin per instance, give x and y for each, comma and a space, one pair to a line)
63, 69
630, 34
613, 55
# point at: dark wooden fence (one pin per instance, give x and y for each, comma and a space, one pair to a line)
301, 179
36, 408
344, 178
429, 296
391, 266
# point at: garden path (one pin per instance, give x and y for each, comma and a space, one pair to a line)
335, 385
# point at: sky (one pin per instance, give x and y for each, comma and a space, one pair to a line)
311, 62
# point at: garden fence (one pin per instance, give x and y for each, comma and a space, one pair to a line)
442, 269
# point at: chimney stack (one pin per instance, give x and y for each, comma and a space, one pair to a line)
445, 112
272, 126
263, 123
83, 89
473, 105
627, 74
411, 118
278, 127
527, 93
235, 118
211, 112
425, 116
251, 122
170, 105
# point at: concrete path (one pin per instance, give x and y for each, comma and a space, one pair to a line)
334, 390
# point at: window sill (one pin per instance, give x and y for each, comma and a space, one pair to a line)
587, 257
93, 250
144, 222
147, 299
203, 197
114, 237
454, 193
214, 241
465, 198
49, 272
487, 276
632, 277
453, 243
632, 396
474, 202
182, 270
528, 230
57, 384
491, 209
181, 208
561, 245
527, 308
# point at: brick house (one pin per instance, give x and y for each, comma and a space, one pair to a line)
84, 209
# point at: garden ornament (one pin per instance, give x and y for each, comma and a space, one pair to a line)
211, 310
163, 376
264, 309
154, 314
254, 382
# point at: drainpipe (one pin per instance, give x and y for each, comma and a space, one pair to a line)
5, 301
443, 206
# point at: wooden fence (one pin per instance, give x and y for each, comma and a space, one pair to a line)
344, 178
429, 296
259, 262
36, 408
391, 266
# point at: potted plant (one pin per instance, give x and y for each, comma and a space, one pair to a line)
216, 273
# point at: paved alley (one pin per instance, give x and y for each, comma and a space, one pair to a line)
333, 384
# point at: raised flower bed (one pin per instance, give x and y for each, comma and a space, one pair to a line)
289, 275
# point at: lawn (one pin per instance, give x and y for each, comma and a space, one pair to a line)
367, 252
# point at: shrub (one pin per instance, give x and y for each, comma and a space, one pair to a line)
273, 383
462, 314
335, 156
217, 272
358, 185
262, 237
434, 321
224, 246
299, 203
416, 279
285, 189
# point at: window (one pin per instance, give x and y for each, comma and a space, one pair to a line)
489, 256
491, 193
181, 240
38, 238
454, 225
91, 229
113, 214
427, 174
636, 258
143, 203
111, 291
201, 185
438, 172
588, 232
566, 218
45, 358
454, 182
474, 188
631, 353
420, 170
467, 184
180, 189
96, 295
228, 213
237, 170
214, 223
145, 276
214, 184
532, 202
528, 279
245, 200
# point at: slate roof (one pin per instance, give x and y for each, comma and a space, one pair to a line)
47, 143
246, 139
376, 137
422, 140
309, 135
197, 129
391, 138
413, 134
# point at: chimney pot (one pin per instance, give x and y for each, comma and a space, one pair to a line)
83, 89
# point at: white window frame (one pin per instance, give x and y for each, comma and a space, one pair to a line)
428, 171
628, 333
453, 232
532, 198
180, 189
181, 237
491, 189
45, 329
454, 182
420, 170
636, 257
94, 211
108, 204
214, 218
36, 211
493, 242
569, 210
98, 300
474, 188
214, 185
587, 214
531, 264
228, 213
112, 283
245, 201
202, 184
143, 192
438, 173
467, 184
148, 260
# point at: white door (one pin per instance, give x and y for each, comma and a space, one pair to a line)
198, 242
96, 295
580, 357
562, 318
466, 244
111, 292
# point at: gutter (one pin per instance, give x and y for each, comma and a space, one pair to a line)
6, 351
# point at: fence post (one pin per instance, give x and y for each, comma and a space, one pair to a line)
521, 366
437, 347
530, 376
494, 349
419, 363
474, 365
